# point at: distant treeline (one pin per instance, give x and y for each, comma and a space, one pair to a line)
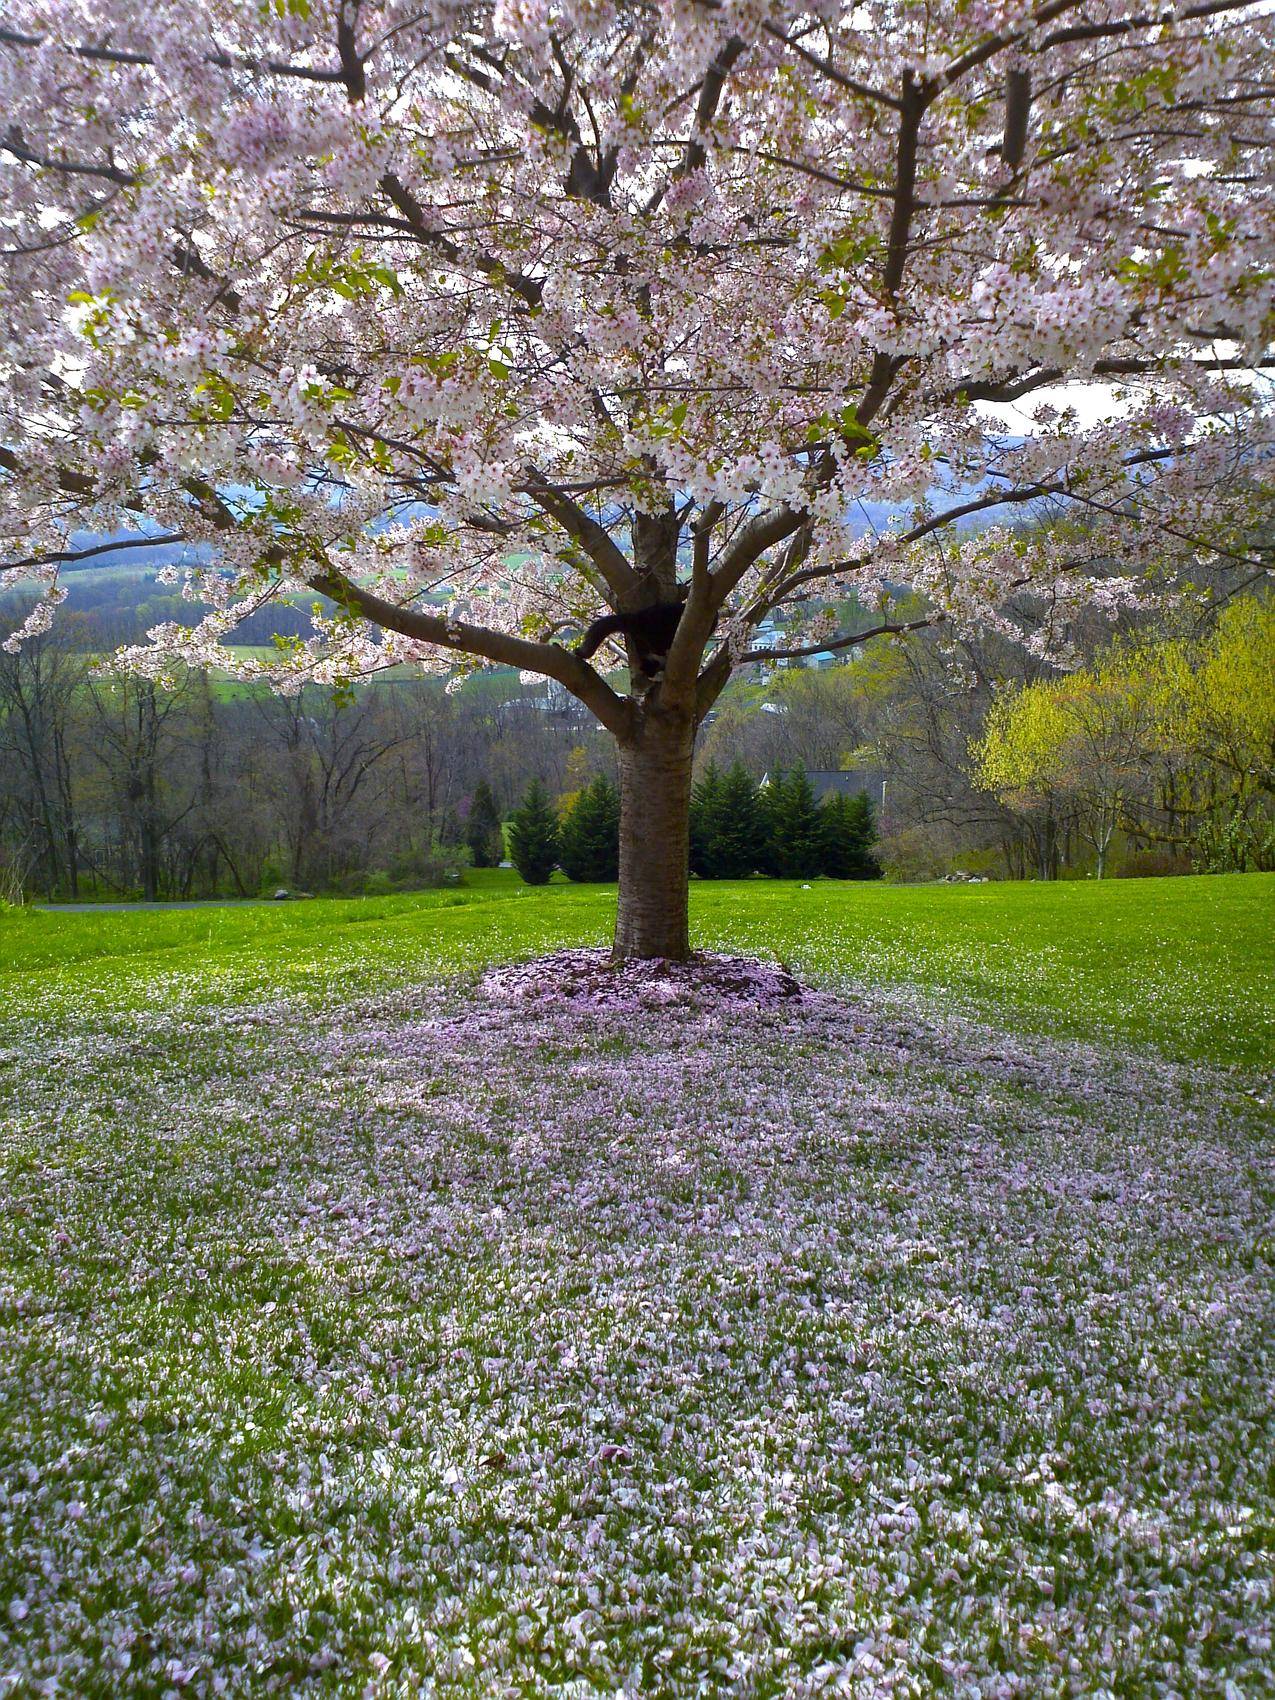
115, 787
1158, 756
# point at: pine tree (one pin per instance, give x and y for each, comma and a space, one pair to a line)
847, 832
589, 837
770, 800
739, 838
482, 828
864, 823
533, 836
838, 845
704, 820
794, 848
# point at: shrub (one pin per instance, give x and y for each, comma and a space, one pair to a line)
272, 876
1237, 843
430, 865
533, 836
910, 856
589, 836
1154, 864
483, 833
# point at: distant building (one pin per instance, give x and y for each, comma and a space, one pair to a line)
770, 634
828, 782
553, 699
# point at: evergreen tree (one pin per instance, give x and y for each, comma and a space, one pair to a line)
794, 848
864, 820
738, 847
533, 836
482, 828
770, 798
449, 827
589, 837
847, 832
705, 798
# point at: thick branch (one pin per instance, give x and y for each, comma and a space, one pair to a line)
594, 539
991, 45
1018, 100
698, 617
711, 683
747, 547
63, 557
829, 70
912, 107
1010, 389
403, 198
912, 111
1127, 26
223, 61
73, 483
710, 95
14, 144
502, 648
995, 498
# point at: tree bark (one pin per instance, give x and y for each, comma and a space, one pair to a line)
655, 802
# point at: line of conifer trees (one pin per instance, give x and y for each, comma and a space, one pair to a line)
738, 829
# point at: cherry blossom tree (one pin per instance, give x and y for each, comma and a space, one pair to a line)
482, 320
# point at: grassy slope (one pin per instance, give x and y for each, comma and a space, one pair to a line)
1185, 964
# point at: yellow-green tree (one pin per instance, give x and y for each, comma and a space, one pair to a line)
1181, 730
1072, 747
1218, 704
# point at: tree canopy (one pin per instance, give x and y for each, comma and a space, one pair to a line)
475, 318
1174, 728
533, 836
589, 833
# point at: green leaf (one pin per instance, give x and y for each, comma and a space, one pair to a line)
388, 277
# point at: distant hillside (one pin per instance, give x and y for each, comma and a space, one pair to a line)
114, 598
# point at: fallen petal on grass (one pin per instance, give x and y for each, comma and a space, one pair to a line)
492, 1345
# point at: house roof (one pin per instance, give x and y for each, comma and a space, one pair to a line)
827, 781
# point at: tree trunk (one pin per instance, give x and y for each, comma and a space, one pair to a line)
655, 803
73, 860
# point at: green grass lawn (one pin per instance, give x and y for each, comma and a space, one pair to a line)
1187, 965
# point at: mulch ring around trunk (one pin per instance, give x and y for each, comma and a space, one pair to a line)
591, 979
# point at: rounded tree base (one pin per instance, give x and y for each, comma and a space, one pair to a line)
593, 979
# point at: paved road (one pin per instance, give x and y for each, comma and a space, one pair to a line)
195, 903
